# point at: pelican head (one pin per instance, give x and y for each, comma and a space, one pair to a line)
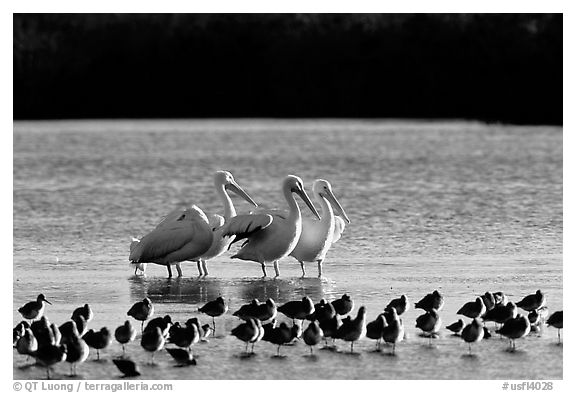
295, 185
225, 178
323, 188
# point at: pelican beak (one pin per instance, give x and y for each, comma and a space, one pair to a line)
234, 187
334, 202
47, 302
305, 198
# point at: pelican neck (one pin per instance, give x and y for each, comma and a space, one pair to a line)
292, 204
229, 210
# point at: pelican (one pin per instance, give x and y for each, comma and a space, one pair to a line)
271, 234
223, 181
174, 240
318, 236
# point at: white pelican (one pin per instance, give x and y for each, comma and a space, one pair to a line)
271, 234
223, 181
184, 238
317, 236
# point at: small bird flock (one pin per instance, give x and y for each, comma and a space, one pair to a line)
48, 344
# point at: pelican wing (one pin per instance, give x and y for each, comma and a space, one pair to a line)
245, 224
172, 236
339, 226
171, 217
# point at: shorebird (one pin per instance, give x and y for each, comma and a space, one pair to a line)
84, 311
489, 300
330, 328
81, 324
184, 235
344, 305
280, 336
354, 329
297, 309
500, 313
318, 235
456, 327
19, 331
247, 310
27, 343
515, 328
312, 335
322, 310
473, 332
431, 301
429, 323
473, 309
375, 329
271, 234
401, 304
35, 309
500, 298
127, 367
141, 311
98, 340
184, 337
124, 334
532, 302
556, 320
393, 332
49, 355
164, 323
214, 308
247, 331
44, 333
77, 349
152, 341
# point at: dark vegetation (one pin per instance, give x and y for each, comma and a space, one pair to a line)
493, 67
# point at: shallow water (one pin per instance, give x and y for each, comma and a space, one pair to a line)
459, 207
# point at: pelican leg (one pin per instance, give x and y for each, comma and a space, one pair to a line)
303, 269
169, 270
136, 270
263, 269
179, 269
200, 272
276, 269
204, 267
320, 268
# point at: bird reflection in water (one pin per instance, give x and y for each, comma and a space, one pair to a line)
282, 290
180, 290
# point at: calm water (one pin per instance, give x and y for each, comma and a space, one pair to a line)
460, 207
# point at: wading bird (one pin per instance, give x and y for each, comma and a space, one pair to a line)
223, 181
318, 236
35, 309
473, 332
184, 235
271, 234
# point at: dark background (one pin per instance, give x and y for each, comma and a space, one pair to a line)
492, 67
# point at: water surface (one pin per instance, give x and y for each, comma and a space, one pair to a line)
459, 207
